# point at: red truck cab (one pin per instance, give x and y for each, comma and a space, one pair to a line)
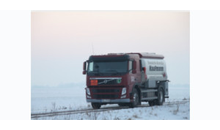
122, 79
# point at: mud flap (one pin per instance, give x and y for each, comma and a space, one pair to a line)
166, 90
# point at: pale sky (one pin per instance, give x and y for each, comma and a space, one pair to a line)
62, 40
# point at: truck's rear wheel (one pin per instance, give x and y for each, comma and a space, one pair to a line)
160, 95
96, 105
135, 98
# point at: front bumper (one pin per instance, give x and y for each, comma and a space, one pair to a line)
109, 100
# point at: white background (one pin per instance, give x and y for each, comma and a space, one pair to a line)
15, 70
204, 64
15, 56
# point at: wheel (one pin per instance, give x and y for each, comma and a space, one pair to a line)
135, 98
160, 95
96, 105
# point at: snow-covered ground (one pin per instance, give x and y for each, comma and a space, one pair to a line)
73, 98
55, 99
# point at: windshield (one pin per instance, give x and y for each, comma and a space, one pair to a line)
108, 67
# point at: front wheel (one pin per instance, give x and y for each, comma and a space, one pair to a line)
135, 98
96, 105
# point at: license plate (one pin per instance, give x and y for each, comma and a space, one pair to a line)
105, 100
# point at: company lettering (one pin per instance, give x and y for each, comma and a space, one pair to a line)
155, 68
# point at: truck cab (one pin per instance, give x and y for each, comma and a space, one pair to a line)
126, 79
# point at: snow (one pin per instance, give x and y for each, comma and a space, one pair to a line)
50, 99
54, 99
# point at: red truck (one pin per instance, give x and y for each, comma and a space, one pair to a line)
126, 79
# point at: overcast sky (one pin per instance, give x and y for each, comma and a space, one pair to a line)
62, 40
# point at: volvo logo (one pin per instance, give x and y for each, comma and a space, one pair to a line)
105, 81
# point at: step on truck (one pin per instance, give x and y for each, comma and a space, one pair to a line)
126, 79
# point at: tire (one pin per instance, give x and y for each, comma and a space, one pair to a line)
96, 105
136, 99
160, 95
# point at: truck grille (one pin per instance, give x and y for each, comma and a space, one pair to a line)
105, 93
105, 90
106, 96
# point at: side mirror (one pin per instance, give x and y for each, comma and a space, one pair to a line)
84, 72
84, 68
134, 67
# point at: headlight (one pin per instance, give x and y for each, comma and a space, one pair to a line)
123, 91
87, 91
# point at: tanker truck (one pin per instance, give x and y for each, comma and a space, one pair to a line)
126, 79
